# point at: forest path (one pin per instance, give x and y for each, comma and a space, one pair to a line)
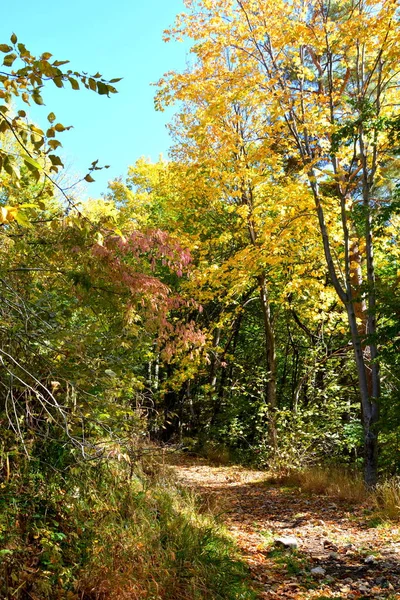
360, 558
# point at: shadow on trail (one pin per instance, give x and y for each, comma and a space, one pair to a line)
358, 561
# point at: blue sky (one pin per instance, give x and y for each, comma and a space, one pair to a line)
118, 39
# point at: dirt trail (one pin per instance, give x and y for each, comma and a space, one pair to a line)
359, 558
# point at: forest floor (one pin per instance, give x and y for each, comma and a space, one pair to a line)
358, 555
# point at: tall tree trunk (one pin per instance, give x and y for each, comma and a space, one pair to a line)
270, 355
368, 403
349, 298
373, 374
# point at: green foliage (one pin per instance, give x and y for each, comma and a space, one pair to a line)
372, 124
293, 562
22, 81
193, 303
108, 529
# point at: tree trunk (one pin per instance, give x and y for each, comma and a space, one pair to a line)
369, 394
270, 353
215, 360
369, 410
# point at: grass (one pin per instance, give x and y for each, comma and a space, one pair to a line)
107, 534
386, 498
162, 547
268, 538
343, 484
336, 482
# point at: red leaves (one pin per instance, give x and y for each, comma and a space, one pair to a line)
147, 288
157, 245
131, 263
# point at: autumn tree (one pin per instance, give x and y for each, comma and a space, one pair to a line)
196, 198
96, 264
325, 76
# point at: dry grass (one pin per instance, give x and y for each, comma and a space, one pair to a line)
386, 498
346, 485
333, 481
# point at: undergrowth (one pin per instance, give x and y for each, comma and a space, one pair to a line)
387, 498
331, 481
347, 485
104, 532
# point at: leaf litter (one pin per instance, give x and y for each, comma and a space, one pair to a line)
342, 553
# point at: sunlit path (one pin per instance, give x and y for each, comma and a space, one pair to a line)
357, 559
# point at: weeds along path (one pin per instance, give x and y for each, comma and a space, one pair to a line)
357, 557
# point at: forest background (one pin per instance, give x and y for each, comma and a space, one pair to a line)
241, 297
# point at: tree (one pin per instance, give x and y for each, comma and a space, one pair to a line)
199, 198
325, 75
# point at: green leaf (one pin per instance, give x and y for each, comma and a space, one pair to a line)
10, 166
59, 82
22, 50
5, 48
102, 88
9, 59
110, 373
13, 39
116, 80
33, 171
37, 98
51, 117
22, 219
31, 161
74, 83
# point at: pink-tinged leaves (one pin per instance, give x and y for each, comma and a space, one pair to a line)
126, 262
158, 246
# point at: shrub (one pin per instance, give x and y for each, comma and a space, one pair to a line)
106, 531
